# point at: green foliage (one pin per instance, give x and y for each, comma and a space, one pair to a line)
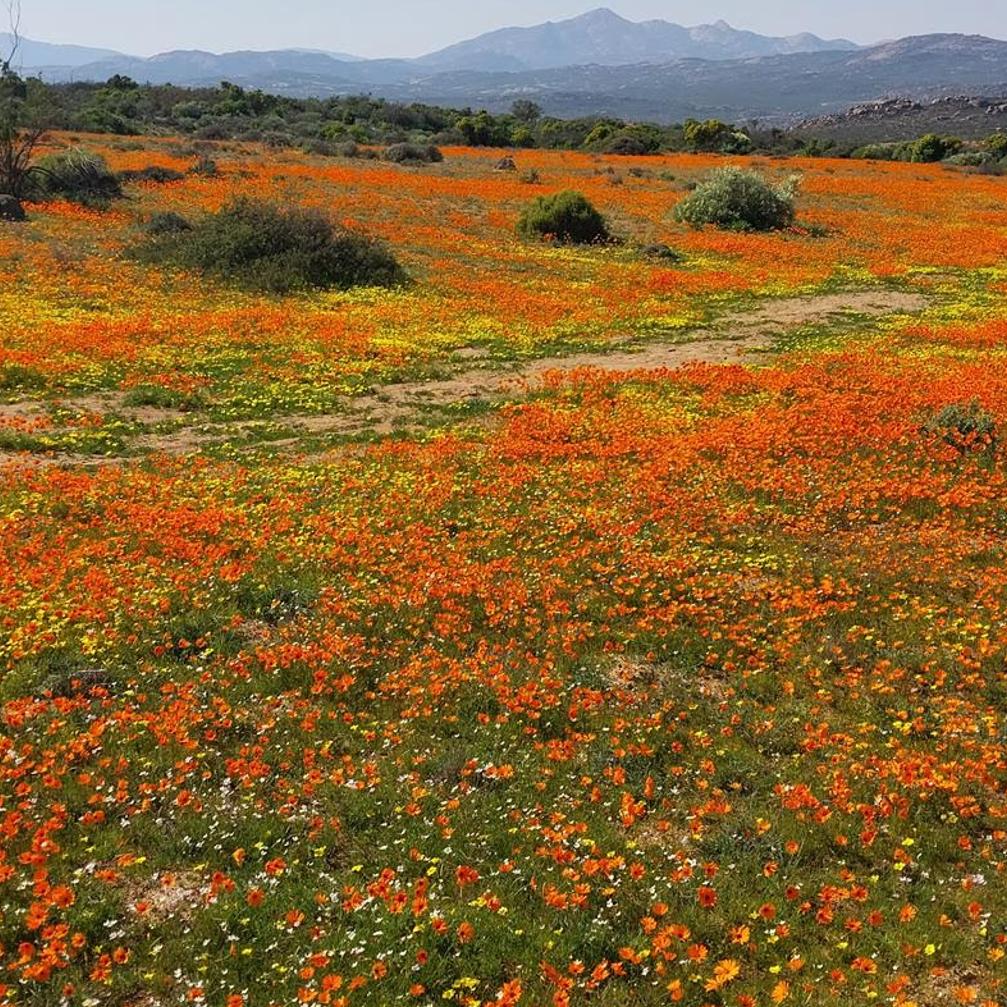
926, 150
739, 200
526, 111
230, 112
877, 152
635, 140
155, 173
413, 153
484, 130
714, 136
263, 247
204, 166
965, 427
971, 159
20, 132
932, 148
76, 175
815, 147
167, 223
997, 144
566, 216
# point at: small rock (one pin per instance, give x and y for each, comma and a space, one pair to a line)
11, 209
658, 251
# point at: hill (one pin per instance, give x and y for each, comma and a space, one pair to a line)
32, 54
904, 119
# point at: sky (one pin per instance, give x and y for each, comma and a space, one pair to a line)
413, 27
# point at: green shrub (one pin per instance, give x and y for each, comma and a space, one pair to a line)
965, 427
76, 176
926, 150
167, 223
971, 159
877, 152
627, 145
204, 166
159, 397
997, 144
739, 200
263, 247
413, 153
565, 216
155, 173
932, 148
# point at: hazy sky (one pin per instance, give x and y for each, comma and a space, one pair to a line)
412, 27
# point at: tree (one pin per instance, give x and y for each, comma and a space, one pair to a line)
714, 135
18, 139
526, 111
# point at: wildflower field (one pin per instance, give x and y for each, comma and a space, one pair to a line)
387, 647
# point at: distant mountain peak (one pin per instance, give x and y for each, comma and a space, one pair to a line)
603, 37
600, 14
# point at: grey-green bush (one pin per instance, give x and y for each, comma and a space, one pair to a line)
262, 247
567, 216
167, 223
737, 200
964, 426
154, 173
413, 153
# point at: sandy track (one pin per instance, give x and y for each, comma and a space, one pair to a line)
399, 406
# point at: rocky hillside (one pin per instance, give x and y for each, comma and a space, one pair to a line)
905, 119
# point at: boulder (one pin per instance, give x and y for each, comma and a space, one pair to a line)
11, 208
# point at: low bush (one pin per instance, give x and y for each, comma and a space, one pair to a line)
932, 148
159, 397
971, 159
76, 176
739, 200
627, 145
204, 166
926, 150
565, 216
154, 173
167, 223
262, 247
997, 144
413, 153
877, 152
965, 427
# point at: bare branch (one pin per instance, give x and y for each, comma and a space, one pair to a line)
14, 22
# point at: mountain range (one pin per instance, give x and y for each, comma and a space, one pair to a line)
603, 37
595, 64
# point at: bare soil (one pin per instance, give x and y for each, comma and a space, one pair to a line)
401, 407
